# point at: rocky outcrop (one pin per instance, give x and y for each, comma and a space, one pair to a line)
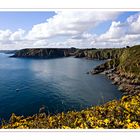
129, 85
79, 54
108, 66
124, 70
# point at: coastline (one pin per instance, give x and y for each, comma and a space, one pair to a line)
123, 113
128, 85
128, 81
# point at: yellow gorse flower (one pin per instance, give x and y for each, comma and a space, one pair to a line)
124, 113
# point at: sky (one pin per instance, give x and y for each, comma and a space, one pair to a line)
66, 29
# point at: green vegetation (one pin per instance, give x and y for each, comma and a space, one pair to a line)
130, 61
126, 60
124, 113
103, 53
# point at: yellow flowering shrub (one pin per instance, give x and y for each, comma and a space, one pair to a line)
124, 113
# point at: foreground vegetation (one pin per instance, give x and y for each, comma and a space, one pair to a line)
124, 113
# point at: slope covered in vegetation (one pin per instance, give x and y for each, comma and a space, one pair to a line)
124, 113
130, 61
126, 61
103, 53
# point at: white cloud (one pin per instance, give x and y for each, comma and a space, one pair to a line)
116, 31
121, 34
40, 43
69, 23
76, 25
72, 29
17, 35
5, 34
134, 24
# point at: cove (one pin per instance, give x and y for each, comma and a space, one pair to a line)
59, 84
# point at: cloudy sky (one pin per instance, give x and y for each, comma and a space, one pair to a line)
80, 29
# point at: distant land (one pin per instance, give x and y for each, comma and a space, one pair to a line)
50, 52
92, 53
8, 51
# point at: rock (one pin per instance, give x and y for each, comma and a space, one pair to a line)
114, 83
95, 72
88, 72
121, 88
117, 80
109, 75
99, 69
137, 87
79, 54
42, 109
17, 90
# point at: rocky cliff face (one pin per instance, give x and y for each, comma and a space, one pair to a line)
123, 70
44, 53
100, 54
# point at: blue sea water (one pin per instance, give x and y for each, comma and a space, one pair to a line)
59, 84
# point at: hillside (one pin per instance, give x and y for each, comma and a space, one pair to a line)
126, 62
130, 61
124, 70
103, 54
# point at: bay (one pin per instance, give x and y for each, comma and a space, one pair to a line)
59, 84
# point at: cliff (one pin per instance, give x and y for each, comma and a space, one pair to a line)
100, 54
123, 70
44, 53
130, 61
64, 52
126, 61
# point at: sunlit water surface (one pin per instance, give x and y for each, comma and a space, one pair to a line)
60, 84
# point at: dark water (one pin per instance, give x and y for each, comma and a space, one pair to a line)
59, 84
